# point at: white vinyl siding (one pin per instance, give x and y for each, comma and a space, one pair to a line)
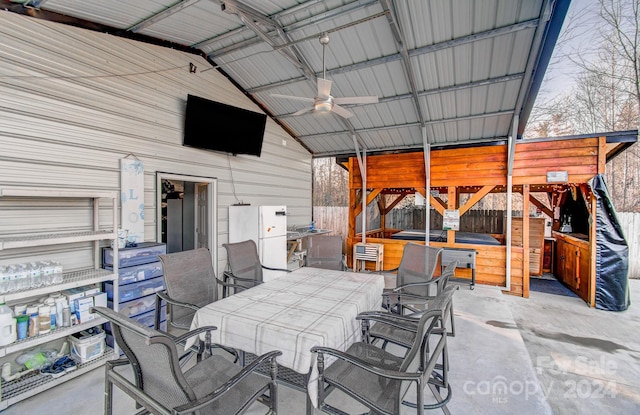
73, 102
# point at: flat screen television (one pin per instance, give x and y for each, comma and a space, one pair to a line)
211, 125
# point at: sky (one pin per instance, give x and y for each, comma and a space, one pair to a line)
576, 36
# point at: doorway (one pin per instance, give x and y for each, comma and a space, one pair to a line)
186, 212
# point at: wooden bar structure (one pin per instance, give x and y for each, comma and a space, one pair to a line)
475, 172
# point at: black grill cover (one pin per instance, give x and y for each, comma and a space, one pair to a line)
612, 253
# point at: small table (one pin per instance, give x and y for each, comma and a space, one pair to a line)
466, 259
293, 313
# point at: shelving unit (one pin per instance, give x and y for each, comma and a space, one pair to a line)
34, 382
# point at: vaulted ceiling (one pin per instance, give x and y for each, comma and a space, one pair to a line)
445, 72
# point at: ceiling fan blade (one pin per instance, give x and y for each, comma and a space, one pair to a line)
303, 111
324, 88
344, 113
293, 98
356, 100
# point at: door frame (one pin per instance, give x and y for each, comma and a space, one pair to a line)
212, 202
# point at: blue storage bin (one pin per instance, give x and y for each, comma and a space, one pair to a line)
138, 273
135, 290
144, 253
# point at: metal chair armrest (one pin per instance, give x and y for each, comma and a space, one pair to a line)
165, 297
418, 284
275, 269
228, 385
183, 338
229, 275
356, 361
395, 320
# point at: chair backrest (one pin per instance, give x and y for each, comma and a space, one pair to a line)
189, 277
418, 264
447, 273
325, 251
154, 359
244, 261
427, 348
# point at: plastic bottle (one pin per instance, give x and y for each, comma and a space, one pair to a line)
44, 319
4, 275
32, 312
66, 316
37, 277
7, 324
22, 324
56, 276
51, 303
10, 279
60, 302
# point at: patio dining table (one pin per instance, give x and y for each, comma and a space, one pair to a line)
293, 313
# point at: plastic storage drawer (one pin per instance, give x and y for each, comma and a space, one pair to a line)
136, 290
144, 253
137, 306
138, 273
148, 319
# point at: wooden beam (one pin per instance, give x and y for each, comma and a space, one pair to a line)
372, 195
383, 211
395, 202
526, 267
535, 202
586, 196
602, 154
353, 203
485, 190
438, 204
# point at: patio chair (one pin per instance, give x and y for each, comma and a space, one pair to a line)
380, 380
325, 251
190, 283
245, 269
401, 330
212, 386
414, 279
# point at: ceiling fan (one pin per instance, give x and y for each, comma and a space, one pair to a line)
323, 101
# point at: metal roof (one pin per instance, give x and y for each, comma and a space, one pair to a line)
465, 70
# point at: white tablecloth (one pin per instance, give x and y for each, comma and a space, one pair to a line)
294, 312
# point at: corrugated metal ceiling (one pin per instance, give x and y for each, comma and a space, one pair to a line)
461, 69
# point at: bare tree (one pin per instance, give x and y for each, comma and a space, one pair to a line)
330, 183
606, 92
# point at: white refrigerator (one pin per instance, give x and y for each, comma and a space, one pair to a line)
267, 226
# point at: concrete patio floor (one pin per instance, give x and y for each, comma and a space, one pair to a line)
547, 354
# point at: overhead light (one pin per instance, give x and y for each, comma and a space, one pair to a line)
323, 105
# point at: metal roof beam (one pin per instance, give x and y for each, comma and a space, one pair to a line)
398, 35
219, 38
453, 88
182, 4
416, 52
428, 92
407, 125
319, 18
252, 17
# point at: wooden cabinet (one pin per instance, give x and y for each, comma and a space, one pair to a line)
573, 264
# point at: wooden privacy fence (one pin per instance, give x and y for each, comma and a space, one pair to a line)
480, 221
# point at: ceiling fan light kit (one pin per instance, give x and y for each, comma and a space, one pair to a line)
323, 102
